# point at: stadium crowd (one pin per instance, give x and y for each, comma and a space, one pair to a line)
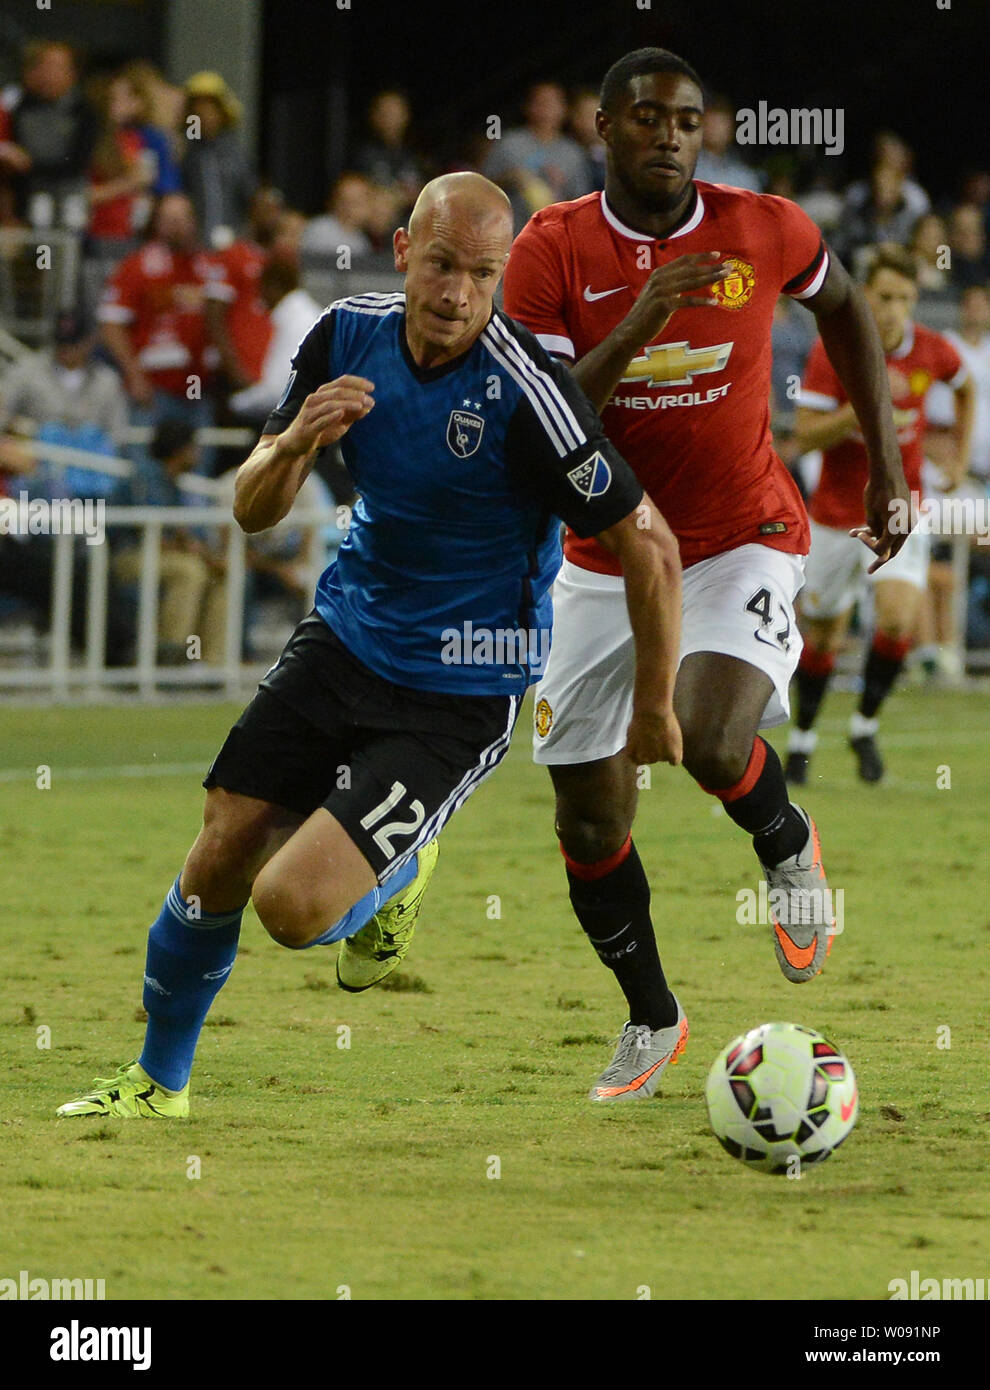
192, 268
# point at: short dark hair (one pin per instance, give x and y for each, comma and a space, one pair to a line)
890, 256
170, 438
639, 63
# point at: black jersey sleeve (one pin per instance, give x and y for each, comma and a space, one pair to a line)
556, 449
310, 369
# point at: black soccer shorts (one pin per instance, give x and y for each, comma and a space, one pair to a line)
391, 764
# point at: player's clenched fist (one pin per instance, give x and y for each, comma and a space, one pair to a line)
328, 413
654, 736
673, 286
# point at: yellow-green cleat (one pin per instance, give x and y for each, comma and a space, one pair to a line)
372, 953
128, 1095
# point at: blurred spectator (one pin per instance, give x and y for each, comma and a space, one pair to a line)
719, 162
153, 321
968, 244
193, 577
581, 119
237, 317
8, 170
821, 201
929, 241
287, 241
343, 224
972, 341
26, 562
385, 213
216, 172
537, 163
385, 156
891, 152
292, 314
166, 102
65, 396
52, 132
283, 562
792, 335
132, 159
879, 211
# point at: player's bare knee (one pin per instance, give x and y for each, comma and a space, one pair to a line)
590, 834
716, 757
289, 914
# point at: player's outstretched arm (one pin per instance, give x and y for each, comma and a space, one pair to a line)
268, 481
651, 568
851, 340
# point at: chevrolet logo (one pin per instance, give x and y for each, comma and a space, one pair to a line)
677, 364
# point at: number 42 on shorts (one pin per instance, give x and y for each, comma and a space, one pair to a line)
762, 604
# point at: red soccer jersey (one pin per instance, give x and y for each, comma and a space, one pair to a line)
692, 412
114, 219
923, 357
158, 295
248, 321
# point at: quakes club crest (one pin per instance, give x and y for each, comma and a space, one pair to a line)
464, 431
738, 286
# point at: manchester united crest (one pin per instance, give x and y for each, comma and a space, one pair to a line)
737, 288
543, 718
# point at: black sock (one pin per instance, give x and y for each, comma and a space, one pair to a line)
883, 666
811, 689
614, 911
760, 804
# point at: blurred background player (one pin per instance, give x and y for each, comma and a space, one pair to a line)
838, 566
662, 290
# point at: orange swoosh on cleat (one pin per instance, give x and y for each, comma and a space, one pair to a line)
846, 1110
633, 1085
800, 957
642, 1080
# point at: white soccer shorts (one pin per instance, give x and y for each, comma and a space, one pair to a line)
740, 603
835, 574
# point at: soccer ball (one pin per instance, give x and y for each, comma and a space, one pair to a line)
781, 1096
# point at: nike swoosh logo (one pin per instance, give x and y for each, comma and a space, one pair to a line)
601, 294
633, 1085
846, 1110
800, 957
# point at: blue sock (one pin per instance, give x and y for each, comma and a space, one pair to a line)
365, 908
189, 958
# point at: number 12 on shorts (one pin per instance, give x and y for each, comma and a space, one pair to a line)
762, 605
383, 836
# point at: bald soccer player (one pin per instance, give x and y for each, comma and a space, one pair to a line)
396, 697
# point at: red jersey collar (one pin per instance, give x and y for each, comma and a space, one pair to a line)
623, 230
904, 347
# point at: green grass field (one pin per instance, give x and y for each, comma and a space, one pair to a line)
323, 1166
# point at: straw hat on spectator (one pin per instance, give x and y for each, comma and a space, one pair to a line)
211, 84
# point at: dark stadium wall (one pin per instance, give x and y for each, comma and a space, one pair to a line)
907, 65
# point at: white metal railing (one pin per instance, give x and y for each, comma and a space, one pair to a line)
90, 677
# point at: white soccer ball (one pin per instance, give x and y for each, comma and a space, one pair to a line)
781, 1096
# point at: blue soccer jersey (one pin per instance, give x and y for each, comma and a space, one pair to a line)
464, 473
